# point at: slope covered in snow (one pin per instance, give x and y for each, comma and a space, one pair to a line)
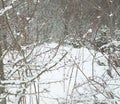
54, 74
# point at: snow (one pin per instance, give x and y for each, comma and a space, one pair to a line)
27, 18
18, 13
116, 43
98, 16
13, 1
72, 72
90, 31
2, 11
111, 1
111, 15
99, 7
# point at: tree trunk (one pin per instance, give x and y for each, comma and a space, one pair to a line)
2, 89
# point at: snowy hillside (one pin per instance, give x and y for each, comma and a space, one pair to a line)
53, 74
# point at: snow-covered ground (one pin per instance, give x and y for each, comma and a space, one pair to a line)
52, 74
